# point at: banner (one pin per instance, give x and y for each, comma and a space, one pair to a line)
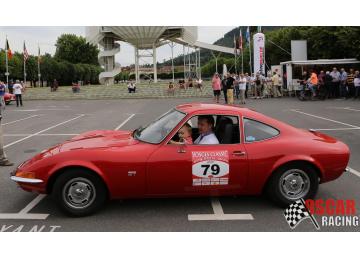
259, 49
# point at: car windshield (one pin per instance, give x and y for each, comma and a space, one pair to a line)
156, 131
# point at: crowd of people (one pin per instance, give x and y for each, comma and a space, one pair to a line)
241, 86
334, 84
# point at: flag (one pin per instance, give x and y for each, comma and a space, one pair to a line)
39, 56
247, 36
8, 50
25, 53
241, 41
297, 212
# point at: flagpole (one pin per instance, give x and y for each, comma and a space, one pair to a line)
242, 61
39, 74
235, 53
24, 65
7, 62
250, 52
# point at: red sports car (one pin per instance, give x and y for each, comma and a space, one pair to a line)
244, 152
8, 97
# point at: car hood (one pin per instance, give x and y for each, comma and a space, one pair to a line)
99, 139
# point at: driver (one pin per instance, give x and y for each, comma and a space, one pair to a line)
205, 125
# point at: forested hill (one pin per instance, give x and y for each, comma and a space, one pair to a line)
227, 41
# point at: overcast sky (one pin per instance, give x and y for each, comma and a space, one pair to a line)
46, 37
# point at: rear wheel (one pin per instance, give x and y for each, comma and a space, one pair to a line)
79, 192
292, 182
7, 102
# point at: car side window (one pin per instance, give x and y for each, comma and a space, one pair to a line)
256, 131
226, 129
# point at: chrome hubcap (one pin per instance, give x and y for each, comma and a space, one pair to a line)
79, 193
294, 184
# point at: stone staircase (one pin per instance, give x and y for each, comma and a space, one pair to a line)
143, 90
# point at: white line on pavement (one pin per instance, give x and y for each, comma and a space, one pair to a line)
15, 121
32, 204
324, 118
126, 120
353, 171
336, 129
218, 214
40, 134
45, 109
37, 133
24, 213
351, 109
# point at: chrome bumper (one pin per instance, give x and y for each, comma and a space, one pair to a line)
26, 180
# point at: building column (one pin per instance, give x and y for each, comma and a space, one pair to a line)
155, 63
137, 78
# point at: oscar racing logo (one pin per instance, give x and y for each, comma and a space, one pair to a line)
333, 213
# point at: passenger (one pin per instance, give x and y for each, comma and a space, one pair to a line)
185, 134
205, 125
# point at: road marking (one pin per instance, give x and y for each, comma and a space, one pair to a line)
40, 134
15, 121
37, 133
124, 122
218, 214
346, 108
353, 171
45, 109
324, 118
24, 213
335, 129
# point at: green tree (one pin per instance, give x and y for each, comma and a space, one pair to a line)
75, 49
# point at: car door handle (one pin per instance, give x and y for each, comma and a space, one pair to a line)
239, 153
181, 150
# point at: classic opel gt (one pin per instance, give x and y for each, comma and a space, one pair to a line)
249, 154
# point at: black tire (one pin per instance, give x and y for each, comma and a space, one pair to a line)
275, 186
7, 102
78, 182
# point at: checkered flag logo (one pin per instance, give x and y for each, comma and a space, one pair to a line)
297, 212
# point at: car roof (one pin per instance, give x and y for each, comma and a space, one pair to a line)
213, 108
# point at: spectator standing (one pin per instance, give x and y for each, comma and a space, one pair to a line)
242, 88
357, 84
2, 93
343, 86
350, 83
335, 74
247, 84
230, 88
321, 84
216, 85
328, 84
236, 86
258, 84
10, 87
224, 88
18, 89
275, 85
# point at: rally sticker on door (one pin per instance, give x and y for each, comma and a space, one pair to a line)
210, 168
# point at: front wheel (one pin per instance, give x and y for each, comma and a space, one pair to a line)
292, 182
79, 192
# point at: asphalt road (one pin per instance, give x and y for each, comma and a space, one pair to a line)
40, 124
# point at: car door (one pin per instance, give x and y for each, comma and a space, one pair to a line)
197, 169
